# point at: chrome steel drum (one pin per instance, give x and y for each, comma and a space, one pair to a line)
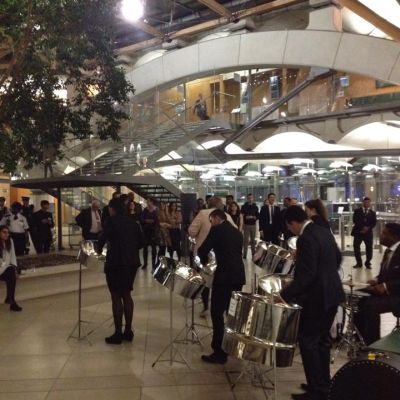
273, 283
88, 255
192, 243
179, 278
164, 269
207, 271
265, 318
292, 243
251, 349
272, 258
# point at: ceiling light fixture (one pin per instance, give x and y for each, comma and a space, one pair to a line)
132, 10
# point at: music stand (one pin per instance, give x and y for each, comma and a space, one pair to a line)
78, 326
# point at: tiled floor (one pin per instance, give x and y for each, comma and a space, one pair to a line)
37, 361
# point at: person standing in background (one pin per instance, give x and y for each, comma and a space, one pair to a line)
250, 215
3, 208
165, 225
317, 212
228, 201
138, 206
18, 227
175, 219
270, 220
151, 230
27, 212
236, 215
42, 225
106, 213
89, 220
200, 108
364, 219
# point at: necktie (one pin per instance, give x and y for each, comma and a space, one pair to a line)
271, 214
385, 260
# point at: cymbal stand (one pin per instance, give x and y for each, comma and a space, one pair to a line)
172, 346
351, 338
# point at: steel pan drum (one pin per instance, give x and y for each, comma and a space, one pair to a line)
251, 349
272, 258
273, 283
179, 278
88, 255
354, 299
207, 271
264, 318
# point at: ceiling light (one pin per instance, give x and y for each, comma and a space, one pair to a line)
371, 167
132, 10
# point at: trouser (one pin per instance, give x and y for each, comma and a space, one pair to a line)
9, 277
153, 254
43, 243
368, 248
19, 240
92, 236
205, 295
220, 298
271, 236
368, 318
315, 344
249, 235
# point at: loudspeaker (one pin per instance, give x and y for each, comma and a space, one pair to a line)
188, 207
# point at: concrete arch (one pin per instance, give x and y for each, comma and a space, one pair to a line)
326, 49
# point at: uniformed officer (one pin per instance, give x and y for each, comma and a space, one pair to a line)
27, 212
18, 227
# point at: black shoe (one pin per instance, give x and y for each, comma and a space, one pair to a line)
368, 265
128, 336
215, 358
304, 386
7, 301
357, 266
15, 307
114, 339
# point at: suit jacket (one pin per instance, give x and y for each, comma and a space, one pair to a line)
264, 219
316, 284
84, 220
227, 243
38, 227
391, 274
360, 220
124, 238
201, 225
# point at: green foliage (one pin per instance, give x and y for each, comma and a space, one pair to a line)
57, 44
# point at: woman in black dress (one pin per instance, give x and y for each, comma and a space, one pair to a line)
124, 239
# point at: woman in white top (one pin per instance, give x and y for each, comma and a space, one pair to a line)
8, 264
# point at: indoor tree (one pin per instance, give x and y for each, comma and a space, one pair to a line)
48, 47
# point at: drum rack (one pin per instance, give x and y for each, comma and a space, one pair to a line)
172, 345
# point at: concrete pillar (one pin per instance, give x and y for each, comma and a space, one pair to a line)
325, 16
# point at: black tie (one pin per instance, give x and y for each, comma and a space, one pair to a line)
385, 260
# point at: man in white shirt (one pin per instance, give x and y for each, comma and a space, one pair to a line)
90, 221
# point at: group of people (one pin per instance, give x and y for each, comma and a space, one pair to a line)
16, 224
160, 224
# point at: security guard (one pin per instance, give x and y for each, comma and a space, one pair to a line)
27, 212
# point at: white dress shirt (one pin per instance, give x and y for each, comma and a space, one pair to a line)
15, 225
96, 222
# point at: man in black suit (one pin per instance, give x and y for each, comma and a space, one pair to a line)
106, 212
227, 242
364, 220
384, 289
318, 289
89, 220
270, 220
41, 228
124, 239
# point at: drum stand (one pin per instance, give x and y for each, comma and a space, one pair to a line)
172, 346
352, 338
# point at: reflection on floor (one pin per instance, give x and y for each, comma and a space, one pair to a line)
38, 362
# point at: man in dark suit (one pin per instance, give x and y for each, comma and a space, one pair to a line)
89, 220
41, 228
318, 289
106, 212
364, 220
384, 289
270, 220
124, 239
227, 242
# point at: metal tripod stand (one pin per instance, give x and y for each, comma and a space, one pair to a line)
351, 338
